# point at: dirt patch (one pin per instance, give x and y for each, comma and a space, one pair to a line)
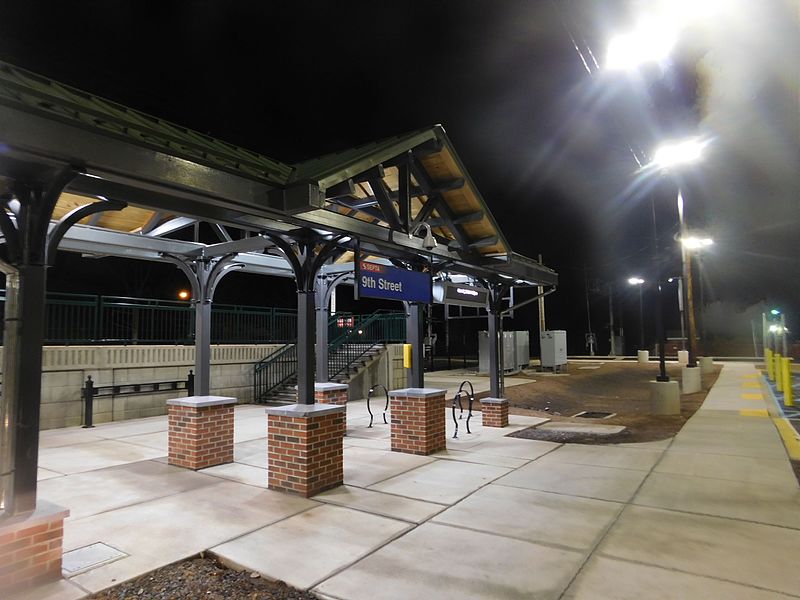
201, 578
614, 387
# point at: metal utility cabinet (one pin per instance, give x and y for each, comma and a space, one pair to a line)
553, 345
516, 351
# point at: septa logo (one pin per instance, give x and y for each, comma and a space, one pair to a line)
372, 267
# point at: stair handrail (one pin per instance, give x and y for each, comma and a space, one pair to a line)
263, 384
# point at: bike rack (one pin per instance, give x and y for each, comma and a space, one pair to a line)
385, 408
457, 398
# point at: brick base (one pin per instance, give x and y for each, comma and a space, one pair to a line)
330, 393
304, 448
417, 420
494, 412
31, 547
200, 431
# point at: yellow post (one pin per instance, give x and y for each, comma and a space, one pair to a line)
407, 356
768, 361
778, 372
788, 394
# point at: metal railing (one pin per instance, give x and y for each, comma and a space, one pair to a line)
274, 370
89, 392
357, 334
88, 319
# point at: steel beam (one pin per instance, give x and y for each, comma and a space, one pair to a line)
171, 226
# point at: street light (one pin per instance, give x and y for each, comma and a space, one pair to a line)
669, 156
650, 41
696, 243
638, 281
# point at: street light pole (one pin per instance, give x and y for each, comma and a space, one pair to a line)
641, 321
686, 262
660, 337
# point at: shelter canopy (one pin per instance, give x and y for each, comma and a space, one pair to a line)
169, 176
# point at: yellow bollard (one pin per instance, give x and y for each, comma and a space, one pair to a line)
778, 372
788, 393
407, 356
768, 362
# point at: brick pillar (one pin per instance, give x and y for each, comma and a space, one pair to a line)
31, 546
304, 448
417, 420
330, 393
494, 412
200, 431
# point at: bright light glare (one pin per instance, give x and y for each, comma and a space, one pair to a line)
696, 243
183, 295
779, 329
678, 153
651, 41
775, 311
636, 281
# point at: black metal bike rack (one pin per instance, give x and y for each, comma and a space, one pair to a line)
385, 408
457, 398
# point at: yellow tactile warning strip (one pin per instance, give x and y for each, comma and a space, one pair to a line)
789, 436
754, 412
752, 396
751, 384
750, 376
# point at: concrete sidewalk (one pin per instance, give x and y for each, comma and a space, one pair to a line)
712, 513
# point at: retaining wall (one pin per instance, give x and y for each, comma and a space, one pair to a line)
65, 368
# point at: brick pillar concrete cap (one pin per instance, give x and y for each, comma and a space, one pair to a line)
494, 401
45, 512
326, 387
305, 410
202, 401
417, 392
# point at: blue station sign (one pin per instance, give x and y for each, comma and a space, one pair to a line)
390, 283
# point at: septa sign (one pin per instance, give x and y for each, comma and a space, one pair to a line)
390, 283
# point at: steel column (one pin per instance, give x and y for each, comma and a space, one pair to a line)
31, 247
202, 346
203, 274
497, 290
305, 346
414, 336
10, 395
495, 368
322, 316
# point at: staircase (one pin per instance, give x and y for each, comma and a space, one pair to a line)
275, 377
364, 355
340, 361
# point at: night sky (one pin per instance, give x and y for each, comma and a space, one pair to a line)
546, 142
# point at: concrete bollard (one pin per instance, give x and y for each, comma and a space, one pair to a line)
777, 371
691, 382
706, 364
643, 356
788, 392
665, 398
683, 357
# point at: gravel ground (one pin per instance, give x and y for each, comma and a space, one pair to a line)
197, 578
614, 387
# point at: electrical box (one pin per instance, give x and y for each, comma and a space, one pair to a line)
553, 346
522, 349
515, 348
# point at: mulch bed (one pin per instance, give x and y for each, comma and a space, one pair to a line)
201, 577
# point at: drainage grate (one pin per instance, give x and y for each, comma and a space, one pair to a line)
593, 414
89, 557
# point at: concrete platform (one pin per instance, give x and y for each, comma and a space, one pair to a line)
712, 513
